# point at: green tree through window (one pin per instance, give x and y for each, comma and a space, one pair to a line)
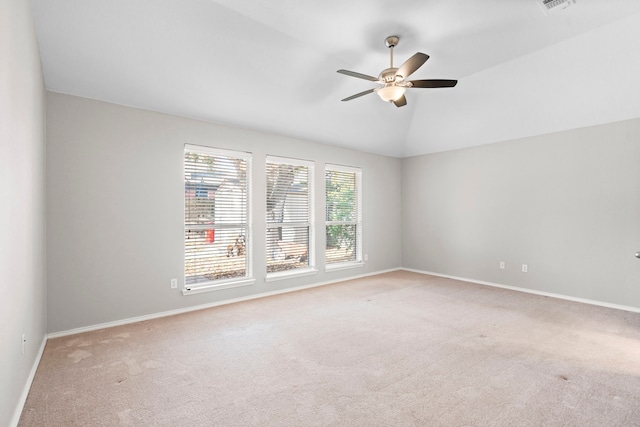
342, 186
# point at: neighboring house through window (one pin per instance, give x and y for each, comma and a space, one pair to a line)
343, 216
217, 218
289, 211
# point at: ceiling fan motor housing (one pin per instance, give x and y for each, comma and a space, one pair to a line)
388, 75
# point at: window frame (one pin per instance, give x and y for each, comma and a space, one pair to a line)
248, 278
311, 253
358, 261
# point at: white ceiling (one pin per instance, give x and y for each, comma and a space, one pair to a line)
271, 65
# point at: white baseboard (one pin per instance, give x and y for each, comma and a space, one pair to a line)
298, 288
27, 385
204, 306
530, 291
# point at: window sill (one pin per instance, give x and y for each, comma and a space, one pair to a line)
214, 286
272, 277
344, 266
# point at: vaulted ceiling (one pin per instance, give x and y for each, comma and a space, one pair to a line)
271, 65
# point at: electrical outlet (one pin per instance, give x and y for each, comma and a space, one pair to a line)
502, 265
525, 268
366, 257
174, 283
24, 342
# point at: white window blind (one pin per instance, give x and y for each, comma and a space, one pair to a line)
289, 214
343, 215
217, 216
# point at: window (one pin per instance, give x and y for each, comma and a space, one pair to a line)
217, 218
343, 216
289, 216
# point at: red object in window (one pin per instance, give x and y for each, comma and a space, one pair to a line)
211, 236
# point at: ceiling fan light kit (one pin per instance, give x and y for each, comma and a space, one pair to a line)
393, 80
390, 92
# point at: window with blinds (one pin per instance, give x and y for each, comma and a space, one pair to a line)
343, 192
217, 219
289, 212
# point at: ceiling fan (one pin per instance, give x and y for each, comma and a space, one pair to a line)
393, 80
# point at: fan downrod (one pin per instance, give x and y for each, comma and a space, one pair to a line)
391, 42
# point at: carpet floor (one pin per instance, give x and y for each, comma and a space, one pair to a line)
396, 349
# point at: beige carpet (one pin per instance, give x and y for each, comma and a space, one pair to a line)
399, 349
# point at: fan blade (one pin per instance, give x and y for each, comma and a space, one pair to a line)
412, 64
430, 83
358, 95
400, 102
358, 75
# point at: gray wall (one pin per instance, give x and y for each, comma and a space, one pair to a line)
567, 204
22, 210
115, 209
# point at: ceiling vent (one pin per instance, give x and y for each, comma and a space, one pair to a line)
549, 6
